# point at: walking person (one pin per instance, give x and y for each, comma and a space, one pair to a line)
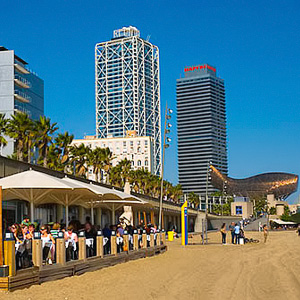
237, 233
223, 233
265, 231
231, 228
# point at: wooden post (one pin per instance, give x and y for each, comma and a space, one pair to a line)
82, 248
60, 249
163, 237
151, 239
125, 241
9, 256
37, 252
162, 220
145, 218
135, 240
152, 217
144, 239
158, 238
113, 243
139, 217
99, 244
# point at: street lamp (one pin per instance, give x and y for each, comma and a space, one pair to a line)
223, 194
207, 178
165, 146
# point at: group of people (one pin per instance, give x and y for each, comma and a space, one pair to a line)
238, 234
24, 233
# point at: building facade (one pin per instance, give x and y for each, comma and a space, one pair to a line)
128, 89
201, 128
139, 150
20, 90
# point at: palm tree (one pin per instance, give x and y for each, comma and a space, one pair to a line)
79, 158
45, 131
176, 192
107, 157
3, 123
194, 198
95, 160
30, 139
18, 128
124, 166
62, 149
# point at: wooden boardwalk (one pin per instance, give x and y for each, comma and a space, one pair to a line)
27, 277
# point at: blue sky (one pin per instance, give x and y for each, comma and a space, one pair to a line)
254, 45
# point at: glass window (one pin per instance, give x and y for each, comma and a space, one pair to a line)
139, 163
238, 210
146, 162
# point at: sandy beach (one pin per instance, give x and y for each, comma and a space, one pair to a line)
213, 271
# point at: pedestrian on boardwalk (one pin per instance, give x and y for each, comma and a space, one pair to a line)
223, 233
237, 233
231, 228
265, 231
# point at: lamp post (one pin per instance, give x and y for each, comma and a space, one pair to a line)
165, 145
223, 194
207, 178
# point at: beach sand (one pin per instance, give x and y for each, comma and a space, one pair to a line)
213, 271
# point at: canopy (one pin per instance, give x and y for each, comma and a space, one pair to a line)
106, 195
280, 222
40, 188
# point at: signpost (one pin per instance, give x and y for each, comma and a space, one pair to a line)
184, 225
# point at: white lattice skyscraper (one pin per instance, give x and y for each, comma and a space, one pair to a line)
128, 88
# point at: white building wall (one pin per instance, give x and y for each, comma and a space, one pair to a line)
139, 150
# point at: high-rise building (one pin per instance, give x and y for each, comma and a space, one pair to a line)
128, 89
201, 125
20, 90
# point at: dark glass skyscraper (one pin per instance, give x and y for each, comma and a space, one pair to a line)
201, 125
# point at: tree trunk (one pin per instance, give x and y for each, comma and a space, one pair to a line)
29, 152
45, 158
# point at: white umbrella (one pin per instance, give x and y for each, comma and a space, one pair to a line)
107, 197
39, 188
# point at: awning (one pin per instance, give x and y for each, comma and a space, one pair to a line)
280, 222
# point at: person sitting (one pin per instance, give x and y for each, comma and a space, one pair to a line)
90, 236
71, 241
48, 243
119, 241
55, 230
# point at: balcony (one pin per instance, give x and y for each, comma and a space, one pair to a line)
22, 97
21, 69
22, 82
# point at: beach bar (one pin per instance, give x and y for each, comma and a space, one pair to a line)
34, 188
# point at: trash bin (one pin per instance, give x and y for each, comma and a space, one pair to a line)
170, 236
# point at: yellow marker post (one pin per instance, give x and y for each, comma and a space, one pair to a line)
184, 232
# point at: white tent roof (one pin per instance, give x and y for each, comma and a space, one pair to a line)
280, 222
35, 180
107, 195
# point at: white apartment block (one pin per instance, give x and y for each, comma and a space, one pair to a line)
137, 149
